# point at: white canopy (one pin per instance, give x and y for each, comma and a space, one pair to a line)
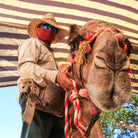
15, 16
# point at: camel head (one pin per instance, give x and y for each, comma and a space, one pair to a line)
104, 72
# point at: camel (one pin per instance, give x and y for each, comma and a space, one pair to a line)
104, 69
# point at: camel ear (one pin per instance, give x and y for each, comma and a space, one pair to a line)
73, 31
74, 38
129, 46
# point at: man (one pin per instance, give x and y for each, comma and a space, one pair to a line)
36, 61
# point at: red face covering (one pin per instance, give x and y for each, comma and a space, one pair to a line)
46, 35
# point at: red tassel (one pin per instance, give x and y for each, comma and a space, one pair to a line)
88, 36
94, 110
129, 70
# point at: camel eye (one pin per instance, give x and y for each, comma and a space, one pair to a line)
73, 47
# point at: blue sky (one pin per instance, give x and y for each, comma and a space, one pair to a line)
10, 113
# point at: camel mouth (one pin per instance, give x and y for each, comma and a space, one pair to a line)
108, 100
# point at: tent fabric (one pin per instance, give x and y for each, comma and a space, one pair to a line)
16, 14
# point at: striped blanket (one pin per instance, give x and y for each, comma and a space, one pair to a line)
16, 14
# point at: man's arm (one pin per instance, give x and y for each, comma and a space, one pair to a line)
27, 64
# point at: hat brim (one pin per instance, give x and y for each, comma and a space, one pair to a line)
34, 24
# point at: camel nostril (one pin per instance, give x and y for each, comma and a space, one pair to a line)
126, 65
100, 62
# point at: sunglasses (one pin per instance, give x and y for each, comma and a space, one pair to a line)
48, 26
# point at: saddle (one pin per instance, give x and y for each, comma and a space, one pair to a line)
52, 101
49, 99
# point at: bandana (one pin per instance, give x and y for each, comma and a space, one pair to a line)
46, 35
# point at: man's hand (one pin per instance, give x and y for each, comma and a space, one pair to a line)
63, 79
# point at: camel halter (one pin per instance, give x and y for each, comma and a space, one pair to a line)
78, 56
74, 98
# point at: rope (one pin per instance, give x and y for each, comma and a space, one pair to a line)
77, 112
68, 126
74, 99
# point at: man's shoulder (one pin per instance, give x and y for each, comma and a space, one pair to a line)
32, 40
30, 43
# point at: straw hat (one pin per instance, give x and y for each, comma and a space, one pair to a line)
50, 19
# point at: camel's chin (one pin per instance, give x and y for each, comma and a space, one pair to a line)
108, 101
